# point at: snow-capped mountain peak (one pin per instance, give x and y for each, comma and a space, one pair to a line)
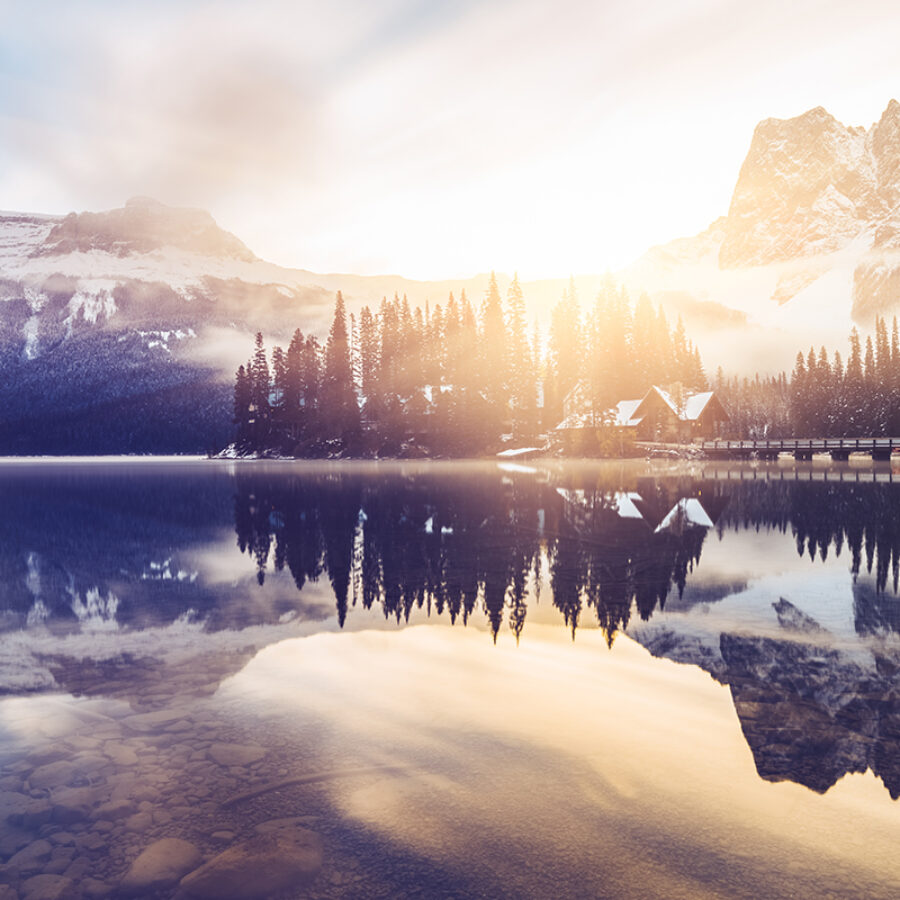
809, 247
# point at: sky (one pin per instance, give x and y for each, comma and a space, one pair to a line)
427, 138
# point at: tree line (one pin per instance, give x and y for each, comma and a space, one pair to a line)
823, 396
452, 379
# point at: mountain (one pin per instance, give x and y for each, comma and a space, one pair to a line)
817, 698
810, 244
120, 331
108, 327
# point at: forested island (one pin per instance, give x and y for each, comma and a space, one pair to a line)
450, 380
453, 381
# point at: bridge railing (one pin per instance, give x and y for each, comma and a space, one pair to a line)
814, 445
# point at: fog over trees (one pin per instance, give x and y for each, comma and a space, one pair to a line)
824, 396
453, 379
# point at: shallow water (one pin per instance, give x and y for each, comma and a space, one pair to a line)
460, 680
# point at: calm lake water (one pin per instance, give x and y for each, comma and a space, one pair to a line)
448, 680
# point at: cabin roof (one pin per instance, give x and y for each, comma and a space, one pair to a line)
625, 413
630, 413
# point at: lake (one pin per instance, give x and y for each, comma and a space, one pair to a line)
449, 680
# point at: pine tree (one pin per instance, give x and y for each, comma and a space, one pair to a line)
646, 362
368, 357
339, 408
854, 387
311, 388
293, 385
893, 383
799, 397
259, 395
242, 404
493, 360
564, 355
279, 384
520, 365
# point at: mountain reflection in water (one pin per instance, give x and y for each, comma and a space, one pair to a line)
174, 592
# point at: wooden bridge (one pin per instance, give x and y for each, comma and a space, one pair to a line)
801, 448
842, 474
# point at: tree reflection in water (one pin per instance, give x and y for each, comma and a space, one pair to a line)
446, 544
438, 544
809, 711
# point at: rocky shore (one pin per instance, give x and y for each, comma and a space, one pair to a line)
102, 798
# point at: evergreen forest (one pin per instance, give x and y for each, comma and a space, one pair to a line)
823, 396
453, 380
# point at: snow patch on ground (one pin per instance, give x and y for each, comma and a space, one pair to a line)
96, 611
92, 304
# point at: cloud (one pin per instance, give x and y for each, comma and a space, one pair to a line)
430, 138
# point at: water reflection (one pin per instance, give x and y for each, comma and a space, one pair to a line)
446, 544
209, 651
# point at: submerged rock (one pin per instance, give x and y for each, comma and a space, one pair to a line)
236, 754
32, 858
258, 867
160, 865
120, 754
48, 887
152, 721
14, 805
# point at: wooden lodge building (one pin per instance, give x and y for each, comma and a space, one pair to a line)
670, 415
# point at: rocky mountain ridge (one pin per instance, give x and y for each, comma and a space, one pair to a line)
810, 244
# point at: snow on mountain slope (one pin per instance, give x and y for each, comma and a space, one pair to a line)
813, 683
810, 245
146, 261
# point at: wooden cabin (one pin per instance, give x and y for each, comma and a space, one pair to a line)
670, 415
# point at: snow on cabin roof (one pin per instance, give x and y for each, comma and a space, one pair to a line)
695, 404
623, 416
627, 413
623, 501
687, 511
625, 410
625, 505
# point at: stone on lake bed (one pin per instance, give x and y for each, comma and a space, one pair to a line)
52, 775
14, 805
49, 753
236, 754
285, 823
139, 822
12, 840
120, 754
72, 805
160, 865
117, 808
151, 721
67, 772
258, 867
32, 858
93, 887
48, 887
